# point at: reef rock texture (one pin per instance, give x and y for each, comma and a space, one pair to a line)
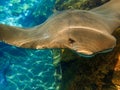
116, 73
100, 72
78, 4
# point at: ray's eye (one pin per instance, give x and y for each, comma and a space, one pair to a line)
71, 41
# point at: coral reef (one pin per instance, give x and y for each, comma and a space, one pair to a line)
78, 4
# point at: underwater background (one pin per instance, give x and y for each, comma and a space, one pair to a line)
25, 69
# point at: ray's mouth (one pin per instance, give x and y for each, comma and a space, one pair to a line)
85, 52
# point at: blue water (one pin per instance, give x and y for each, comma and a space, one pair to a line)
28, 69
25, 13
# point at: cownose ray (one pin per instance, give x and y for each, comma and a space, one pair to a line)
86, 32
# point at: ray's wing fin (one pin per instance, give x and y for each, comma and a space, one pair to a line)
111, 12
111, 8
16, 36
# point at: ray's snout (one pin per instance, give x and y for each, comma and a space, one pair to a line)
88, 41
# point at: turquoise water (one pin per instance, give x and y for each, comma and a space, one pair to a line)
29, 69
25, 13
25, 69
